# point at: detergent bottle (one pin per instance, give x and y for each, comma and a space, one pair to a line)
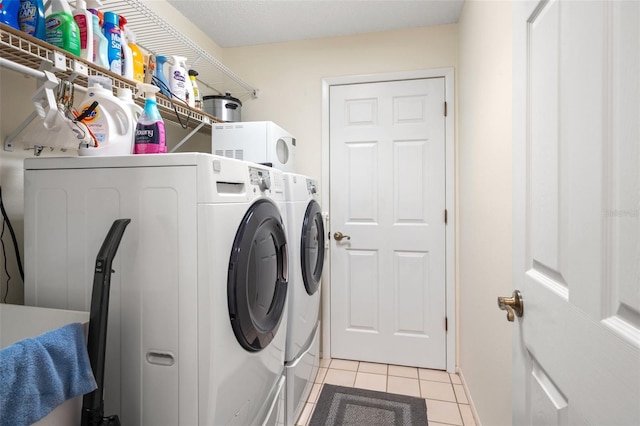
31, 18
137, 56
111, 29
85, 24
150, 136
161, 80
111, 123
9, 10
197, 99
127, 53
177, 78
100, 54
61, 29
188, 88
126, 96
94, 6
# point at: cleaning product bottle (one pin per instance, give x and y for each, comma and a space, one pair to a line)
138, 57
127, 54
177, 77
62, 30
126, 96
31, 18
94, 6
9, 10
197, 99
111, 29
111, 123
100, 43
161, 80
85, 24
150, 136
188, 87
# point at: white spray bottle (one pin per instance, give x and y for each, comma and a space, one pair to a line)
188, 86
177, 78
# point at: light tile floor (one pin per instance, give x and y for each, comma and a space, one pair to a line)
446, 401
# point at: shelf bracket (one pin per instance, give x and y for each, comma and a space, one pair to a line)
186, 138
47, 83
8, 142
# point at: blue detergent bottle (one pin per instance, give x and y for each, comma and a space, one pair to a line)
111, 29
31, 18
162, 81
9, 13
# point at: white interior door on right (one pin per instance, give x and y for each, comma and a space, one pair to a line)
577, 212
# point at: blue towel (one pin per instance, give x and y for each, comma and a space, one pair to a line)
40, 373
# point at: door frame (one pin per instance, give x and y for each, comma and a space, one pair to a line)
450, 205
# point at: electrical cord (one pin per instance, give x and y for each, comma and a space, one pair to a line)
5, 219
6, 270
165, 89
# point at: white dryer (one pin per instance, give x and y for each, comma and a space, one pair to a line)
306, 237
198, 312
261, 142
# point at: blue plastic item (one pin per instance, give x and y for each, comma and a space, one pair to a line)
9, 13
162, 81
31, 18
111, 29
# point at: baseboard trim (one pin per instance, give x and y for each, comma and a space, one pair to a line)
476, 419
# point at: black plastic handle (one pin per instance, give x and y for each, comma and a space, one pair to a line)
93, 403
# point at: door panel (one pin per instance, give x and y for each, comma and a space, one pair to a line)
576, 239
387, 155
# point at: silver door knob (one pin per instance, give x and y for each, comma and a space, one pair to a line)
514, 305
338, 236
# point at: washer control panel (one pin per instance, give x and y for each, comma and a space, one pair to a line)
311, 186
260, 177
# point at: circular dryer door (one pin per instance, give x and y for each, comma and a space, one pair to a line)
312, 247
257, 280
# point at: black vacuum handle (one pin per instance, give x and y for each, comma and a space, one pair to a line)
93, 404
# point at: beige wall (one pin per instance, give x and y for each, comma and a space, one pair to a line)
289, 75
484, 205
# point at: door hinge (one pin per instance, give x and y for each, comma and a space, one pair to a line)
445, 109
446, 216
446, 324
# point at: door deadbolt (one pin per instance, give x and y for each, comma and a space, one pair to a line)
338, 236
514, 305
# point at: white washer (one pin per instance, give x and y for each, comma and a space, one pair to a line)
198, 313
306, 237
261, 142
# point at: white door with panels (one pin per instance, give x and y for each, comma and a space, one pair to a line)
387, 210
576, 213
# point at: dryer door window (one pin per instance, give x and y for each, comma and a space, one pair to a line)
257, 280
312, 247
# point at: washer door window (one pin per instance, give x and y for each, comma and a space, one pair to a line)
257, 280
312, 247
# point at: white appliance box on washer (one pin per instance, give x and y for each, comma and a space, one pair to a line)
257, 141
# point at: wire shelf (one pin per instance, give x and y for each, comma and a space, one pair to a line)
30, 52
157, 36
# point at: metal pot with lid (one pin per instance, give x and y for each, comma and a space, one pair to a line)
224, 107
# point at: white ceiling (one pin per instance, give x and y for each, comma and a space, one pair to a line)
234, 23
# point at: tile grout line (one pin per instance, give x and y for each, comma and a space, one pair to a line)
387, 376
